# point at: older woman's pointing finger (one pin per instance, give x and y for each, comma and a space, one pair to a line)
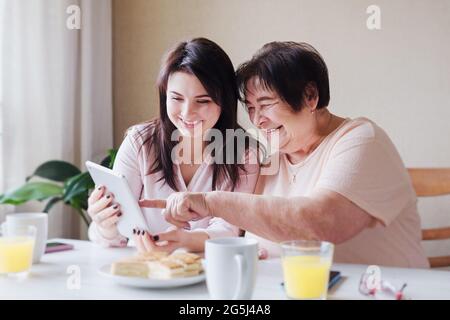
180, 207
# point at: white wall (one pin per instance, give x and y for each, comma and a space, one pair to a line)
398, 76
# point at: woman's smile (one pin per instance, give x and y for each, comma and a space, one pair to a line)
190, 124
271, 131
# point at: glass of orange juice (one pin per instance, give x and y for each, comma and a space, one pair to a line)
306, 268
16, 250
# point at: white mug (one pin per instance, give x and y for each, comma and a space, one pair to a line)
231, 267
39, 221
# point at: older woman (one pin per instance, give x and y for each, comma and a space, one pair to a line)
339, 179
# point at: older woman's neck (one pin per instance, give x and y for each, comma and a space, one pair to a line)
325, 123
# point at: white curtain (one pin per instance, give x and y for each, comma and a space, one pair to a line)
57, 99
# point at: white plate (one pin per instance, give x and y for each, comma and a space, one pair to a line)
150, 283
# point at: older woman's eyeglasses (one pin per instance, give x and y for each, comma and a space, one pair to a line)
372, 285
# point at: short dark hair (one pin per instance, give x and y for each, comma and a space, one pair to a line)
287, 68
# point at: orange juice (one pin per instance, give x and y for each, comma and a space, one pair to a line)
306, 277
16, 254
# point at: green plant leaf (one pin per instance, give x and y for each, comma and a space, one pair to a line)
31, 191
55, 170
5, 200
51, 203
80, 201
112, 154
77, 185
109, 160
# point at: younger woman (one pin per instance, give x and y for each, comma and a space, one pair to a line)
197, 93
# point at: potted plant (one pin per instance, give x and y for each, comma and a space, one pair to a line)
55, 181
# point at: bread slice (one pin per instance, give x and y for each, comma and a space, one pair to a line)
136, 266
166, 269
130, 269
190, 261
159, 265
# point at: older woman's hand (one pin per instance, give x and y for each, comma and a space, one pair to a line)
180, 207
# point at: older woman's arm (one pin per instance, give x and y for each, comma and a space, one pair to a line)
325, 215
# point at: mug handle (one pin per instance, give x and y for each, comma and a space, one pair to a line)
242, 266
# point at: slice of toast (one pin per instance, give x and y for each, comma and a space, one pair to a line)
159, 265
130, 269
136, 266
190, 261
166, 269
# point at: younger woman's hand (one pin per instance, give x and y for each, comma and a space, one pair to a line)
104, 212
144, 241
170, 240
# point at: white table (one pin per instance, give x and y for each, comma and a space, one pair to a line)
49, 279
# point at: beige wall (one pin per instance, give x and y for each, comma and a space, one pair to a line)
398, 76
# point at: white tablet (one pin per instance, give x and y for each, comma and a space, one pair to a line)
117, 184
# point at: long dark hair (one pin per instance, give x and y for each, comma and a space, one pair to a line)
212, 66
